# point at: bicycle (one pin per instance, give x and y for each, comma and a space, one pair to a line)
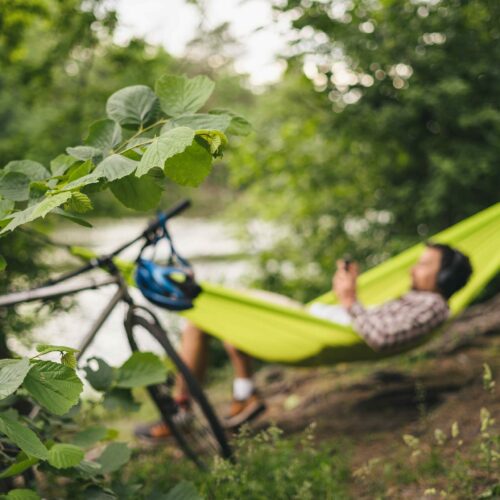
204, 434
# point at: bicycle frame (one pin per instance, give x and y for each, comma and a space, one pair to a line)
54, 288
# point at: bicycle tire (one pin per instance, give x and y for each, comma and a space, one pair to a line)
160, 394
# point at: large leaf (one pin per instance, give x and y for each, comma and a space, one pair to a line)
22, 436
131, 105
23, 462
113, 457
12, 373
142, 368
190, 167
115, 167
39, 210
102, 377
3, 263
90, 436
32, 169
56, 387
180, 95
173, 142
138, 194
63, 456
15, 186
60, 164
120, 399
84, 153
104, 135
204, 121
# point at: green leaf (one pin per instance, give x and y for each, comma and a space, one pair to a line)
173, 142
204, 121
90, 436
56, 387
5, 207
22, 436
12, 373
22, 463
72, 217
32, 169
60, 164
142, 368
180, 95
190, 167
22, 494
63, 456
183, 491
238, 125
15, 186
3, 264
84, 153
46, 348
69, 359
138, 194
81, 182
79, 202
120, 399
101, 378
115, 167
39, 210
113, 457
104, 135
88, 468
133, 105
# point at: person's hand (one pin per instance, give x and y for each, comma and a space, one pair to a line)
344, 283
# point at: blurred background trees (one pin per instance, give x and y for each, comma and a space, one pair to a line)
383, 131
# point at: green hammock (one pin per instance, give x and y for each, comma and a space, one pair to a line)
283, 334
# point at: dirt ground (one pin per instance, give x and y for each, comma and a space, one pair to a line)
374, 405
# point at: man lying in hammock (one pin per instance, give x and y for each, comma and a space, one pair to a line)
440, 272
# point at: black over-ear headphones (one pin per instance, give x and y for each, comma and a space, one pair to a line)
448, 278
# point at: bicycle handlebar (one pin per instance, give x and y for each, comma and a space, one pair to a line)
99, 261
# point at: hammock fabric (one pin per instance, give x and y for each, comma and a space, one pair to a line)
283, 334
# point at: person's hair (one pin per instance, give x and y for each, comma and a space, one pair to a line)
454, 271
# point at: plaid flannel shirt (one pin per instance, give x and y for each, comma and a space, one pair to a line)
399, 321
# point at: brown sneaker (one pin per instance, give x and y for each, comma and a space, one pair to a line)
243, 411
160, 431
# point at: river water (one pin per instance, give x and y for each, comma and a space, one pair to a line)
197, 239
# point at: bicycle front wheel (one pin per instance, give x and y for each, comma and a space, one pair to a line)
202, 436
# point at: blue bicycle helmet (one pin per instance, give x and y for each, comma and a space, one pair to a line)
172, 286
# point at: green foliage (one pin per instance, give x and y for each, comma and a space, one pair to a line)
376, 137
179, 96
157, 143
113, 457
63, 456
22, 436
142, 368
12, 374
55, 386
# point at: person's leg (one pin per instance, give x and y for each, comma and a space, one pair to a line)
194, 350
246, 403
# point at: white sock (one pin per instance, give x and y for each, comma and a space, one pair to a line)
242, 388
